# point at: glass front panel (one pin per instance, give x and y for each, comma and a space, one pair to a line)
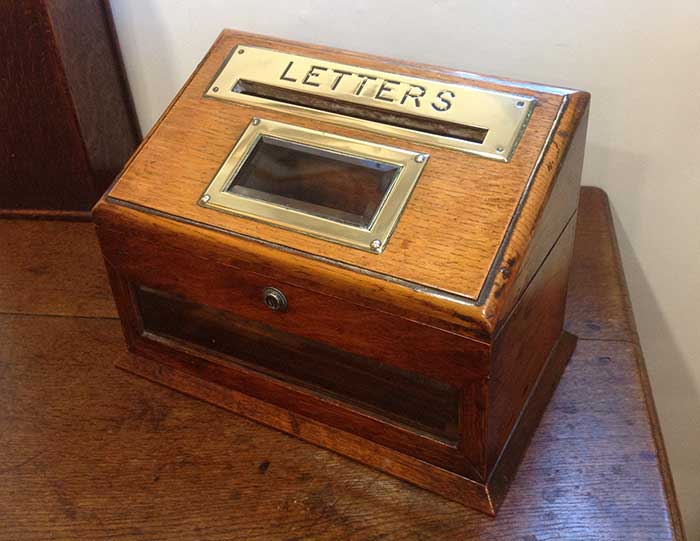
386, 392
327, 184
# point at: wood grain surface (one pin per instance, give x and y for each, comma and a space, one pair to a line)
90, 452
454, 222
466, 202
66, 121
52, 268
463, 213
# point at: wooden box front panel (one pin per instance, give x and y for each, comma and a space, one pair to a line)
405, 398
398, 383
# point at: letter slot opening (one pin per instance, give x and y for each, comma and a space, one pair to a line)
431, 126
446, 112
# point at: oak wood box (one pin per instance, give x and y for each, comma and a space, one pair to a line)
369, 254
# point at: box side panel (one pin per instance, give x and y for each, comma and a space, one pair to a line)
352, 285
504, 471
540, 224
561, 205
524, 345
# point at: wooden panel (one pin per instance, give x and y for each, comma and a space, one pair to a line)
560, 206
272, 402
524, 345
66, 126
507, 465
295, 269
451, 228
99, 91
424, 405
546, 205
318, 317
38, 128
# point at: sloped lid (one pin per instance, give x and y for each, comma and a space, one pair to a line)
455, 222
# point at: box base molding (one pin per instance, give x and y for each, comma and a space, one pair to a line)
485, 497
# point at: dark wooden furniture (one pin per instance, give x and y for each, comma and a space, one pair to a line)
90, 452
66, 121
431, 360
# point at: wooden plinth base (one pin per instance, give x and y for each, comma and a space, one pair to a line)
485, 497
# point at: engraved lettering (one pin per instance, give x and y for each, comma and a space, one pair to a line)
444, 104
362, 84
384, 87
340, 73
284, 77
414, 91
313, 72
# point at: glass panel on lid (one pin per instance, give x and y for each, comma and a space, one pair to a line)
342, 188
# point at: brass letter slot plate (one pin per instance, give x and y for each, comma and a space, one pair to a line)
459, 117
331, 187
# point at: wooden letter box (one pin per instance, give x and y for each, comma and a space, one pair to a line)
371, 255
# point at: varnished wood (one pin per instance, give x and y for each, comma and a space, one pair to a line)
90, 452
52, 268
520, 267
67, 121
522, 349
591, 275
467, 220
195, 134
313, 315
469, 292
176, 271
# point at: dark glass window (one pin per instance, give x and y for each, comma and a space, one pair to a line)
327, 184
387, 392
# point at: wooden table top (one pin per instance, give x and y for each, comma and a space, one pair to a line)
90, 452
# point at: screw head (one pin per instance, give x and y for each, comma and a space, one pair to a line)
420, 158
520, 104
215, 89
241, 51
499, 149
205, 198
256, 121
376, 244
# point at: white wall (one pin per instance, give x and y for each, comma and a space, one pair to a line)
639, 58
